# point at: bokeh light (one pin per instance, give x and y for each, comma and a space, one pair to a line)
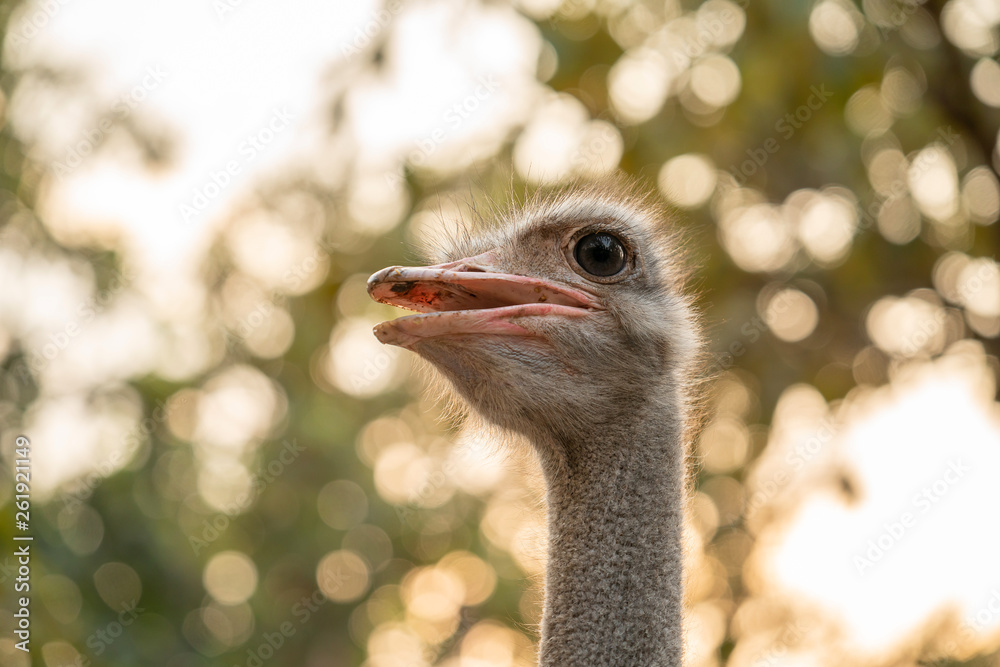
230, 577
688, 180
835, 26
343, 576
790, 313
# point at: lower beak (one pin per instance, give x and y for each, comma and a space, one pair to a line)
468, 298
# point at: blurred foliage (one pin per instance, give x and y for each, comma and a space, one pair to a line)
150, 517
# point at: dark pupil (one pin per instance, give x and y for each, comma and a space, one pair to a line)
600, 254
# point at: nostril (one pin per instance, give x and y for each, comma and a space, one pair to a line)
482, 263
472, 268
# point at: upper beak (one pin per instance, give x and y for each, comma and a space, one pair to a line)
468, 297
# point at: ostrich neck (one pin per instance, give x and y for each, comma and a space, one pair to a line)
614, 584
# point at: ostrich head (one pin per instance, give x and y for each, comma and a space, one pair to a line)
560, 317
564, 321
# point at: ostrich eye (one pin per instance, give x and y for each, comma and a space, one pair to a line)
600, 254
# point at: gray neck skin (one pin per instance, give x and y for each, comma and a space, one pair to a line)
614, 584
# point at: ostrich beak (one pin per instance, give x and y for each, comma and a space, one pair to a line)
468, 297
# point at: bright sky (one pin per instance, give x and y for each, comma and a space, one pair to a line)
240, 86
915, 542
245, 94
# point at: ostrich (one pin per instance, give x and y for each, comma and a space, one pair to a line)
565, 321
